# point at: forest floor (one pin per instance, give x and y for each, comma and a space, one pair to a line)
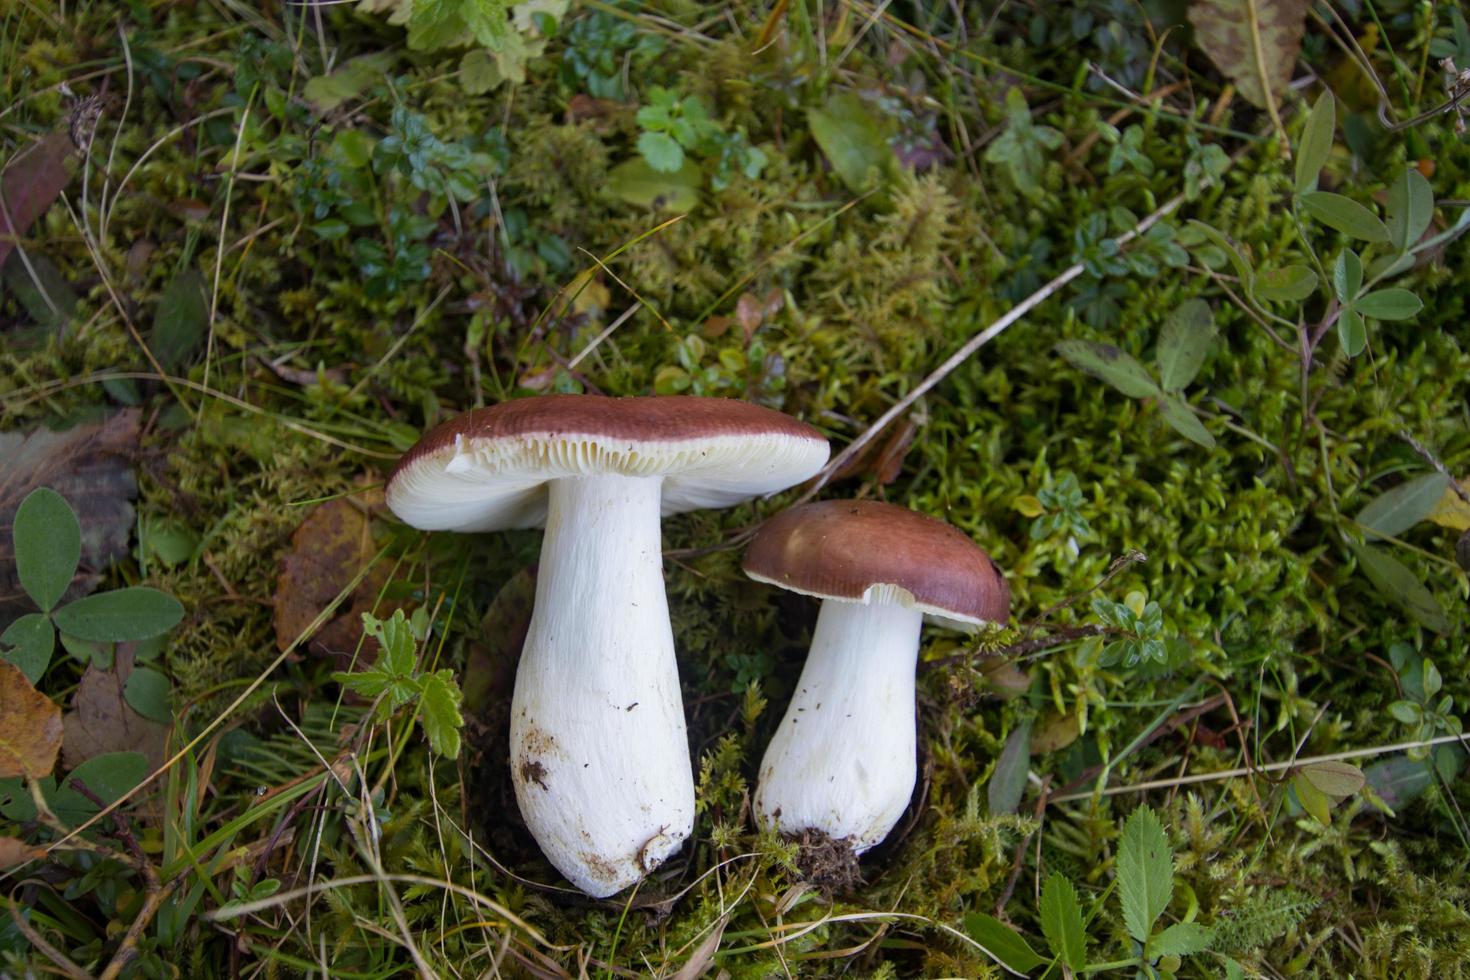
250, 255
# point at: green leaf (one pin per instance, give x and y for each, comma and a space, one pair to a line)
1347, 275
1003, 943
1184, 342
1243, 269
1351, 332
108, 777
1312, 799
165, 541
147, 692
48, 546
488, 21
439, 713
1389, 304
32, 640
136, 613
1337, 780
1181, 419
1410, 209
181, 320
1395, 511
635, 182
1110, 364
662, 152
1345, 215
478, 72
351, 79
1291, 284
1008, 781
1392, 578
853, 141
366, 683
1181, 939
1316, 145
1061, 921
1145, 869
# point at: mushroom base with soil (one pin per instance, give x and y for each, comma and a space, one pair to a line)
599, 755
844, 760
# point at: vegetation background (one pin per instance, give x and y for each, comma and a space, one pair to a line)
251, 251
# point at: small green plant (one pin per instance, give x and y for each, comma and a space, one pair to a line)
596, 48
1024, 146
1144, 880
1183, 344
395, 680
48, 549
1348, 282
1141, 624
674, 127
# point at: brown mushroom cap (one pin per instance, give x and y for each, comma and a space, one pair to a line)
486, 470
865, 551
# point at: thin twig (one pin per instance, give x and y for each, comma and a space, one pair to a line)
56, 956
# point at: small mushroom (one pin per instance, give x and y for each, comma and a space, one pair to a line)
843, 760
599, 755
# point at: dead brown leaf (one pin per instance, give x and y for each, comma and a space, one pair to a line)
89, 465
14, 851
30, 726
101, 720
328, 550
32, 181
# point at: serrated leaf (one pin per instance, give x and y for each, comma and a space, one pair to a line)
1336, 780
1145, 869
1184, 342
1316, 143
1061, 921
1391, 577
635, 182
1291, 284
1396, 510
1389, 304
1345, 215
1108, 363
1181, 419
48, 546
478, 72
1410, 209
1181, 939
181, 320
439, 713
136, 613
1351, 332
1003, 943
366, 683
1008, 781
1347, 275
31, 640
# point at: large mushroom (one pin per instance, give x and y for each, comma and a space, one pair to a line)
843, 759
598, 754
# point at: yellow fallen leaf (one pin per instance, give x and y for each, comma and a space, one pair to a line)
1451, 511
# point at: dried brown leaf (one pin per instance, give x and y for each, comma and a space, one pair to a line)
89, 465
1255, 43
32, 181
14, 851
102, 721
30, 726
332, 545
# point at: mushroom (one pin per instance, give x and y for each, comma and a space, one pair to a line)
599, 755
843, 759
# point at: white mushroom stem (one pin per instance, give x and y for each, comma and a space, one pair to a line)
843, 759
598, 749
